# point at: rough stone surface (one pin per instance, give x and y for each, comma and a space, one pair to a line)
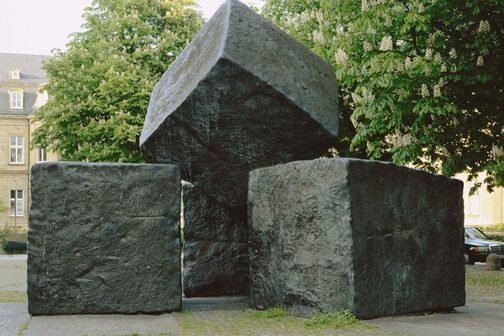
242, 95
103, 238
369, 236
216, 255
493, 262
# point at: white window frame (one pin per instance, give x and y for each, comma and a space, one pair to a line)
41, 155
16, 202
14, 74
16, 99
16, 149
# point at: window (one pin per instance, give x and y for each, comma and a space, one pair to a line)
16, 203
16, 99
16, 149
41, 155
14, 74
474, 204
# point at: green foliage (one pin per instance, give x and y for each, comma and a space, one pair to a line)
494, 232
275, 312
3, 242
420, 81
100, 87
340, 319
496, 237
492, 228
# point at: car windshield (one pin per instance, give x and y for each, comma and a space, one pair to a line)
473, 232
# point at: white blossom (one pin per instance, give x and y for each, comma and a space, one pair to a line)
436, 92
408, 63
334, 152
364, 5
386, 43
320, 17
453, 68
443, 150
421, 7
341, 57
305, 16
400, 139
388, 21
367, 46
479, 62
318, 36
428, 53
441, 82
443, 68
497, 151
437, 57
425, 91
484, 26
402, 94
430, 40
453, 53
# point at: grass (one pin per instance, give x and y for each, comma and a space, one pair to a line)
10, 296
483, 285
491, 278
23, 327
337, 320
274, 321
271, 313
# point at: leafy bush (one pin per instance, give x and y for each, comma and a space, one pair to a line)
14, 247
496, 237
493, 228
3, 242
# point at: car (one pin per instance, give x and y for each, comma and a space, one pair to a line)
478, 246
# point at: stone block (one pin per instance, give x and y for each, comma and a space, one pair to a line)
242, 95
369, 236
104, 238
213, 268
215, 250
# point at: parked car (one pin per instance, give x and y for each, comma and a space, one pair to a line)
478, 246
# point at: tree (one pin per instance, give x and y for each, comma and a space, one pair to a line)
421, 81
99, 88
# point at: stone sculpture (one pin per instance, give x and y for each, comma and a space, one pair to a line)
103, 238
242, 95
368, 236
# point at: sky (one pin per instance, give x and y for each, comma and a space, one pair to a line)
38, 26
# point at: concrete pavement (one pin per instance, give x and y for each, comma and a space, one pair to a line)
476, 318
98, 325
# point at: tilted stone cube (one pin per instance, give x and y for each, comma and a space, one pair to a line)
368, 236
104, 238
242, 95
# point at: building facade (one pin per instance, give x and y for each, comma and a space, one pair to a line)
21, 94
482, 207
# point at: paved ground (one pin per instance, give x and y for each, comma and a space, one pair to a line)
475, 318
483, 315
